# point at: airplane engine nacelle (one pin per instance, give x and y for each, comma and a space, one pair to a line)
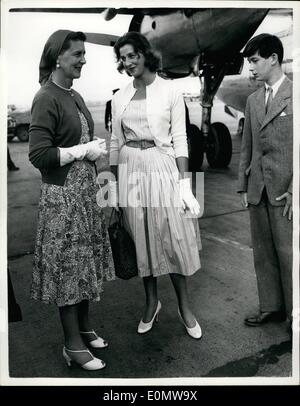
234, 64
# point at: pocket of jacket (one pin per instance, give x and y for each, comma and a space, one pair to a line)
283, 126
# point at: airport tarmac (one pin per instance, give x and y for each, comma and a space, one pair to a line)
222, 294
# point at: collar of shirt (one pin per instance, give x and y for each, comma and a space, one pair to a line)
275, 87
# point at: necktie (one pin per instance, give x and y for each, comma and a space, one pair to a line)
269, 99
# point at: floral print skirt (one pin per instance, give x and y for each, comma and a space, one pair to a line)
72, 256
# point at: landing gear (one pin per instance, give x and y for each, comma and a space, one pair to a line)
196, 148
240, 128
214, 139
219, 146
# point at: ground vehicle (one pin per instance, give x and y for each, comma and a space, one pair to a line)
11, 126
18, 124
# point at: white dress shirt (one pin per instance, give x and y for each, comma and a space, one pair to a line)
274, 87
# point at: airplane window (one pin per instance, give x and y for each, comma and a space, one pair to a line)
154, 25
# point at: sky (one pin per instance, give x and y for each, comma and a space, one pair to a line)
24, 36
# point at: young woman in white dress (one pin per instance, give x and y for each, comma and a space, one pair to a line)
149, 157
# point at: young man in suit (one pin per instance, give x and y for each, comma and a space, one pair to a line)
265, 178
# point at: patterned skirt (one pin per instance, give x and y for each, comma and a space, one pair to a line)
166, 241
72, 255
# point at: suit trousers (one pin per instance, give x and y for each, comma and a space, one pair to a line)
273, 256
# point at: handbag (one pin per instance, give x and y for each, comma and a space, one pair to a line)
122, 246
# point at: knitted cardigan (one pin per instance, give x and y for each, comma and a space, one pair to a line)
55, 123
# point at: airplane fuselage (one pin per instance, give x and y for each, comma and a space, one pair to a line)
219, 33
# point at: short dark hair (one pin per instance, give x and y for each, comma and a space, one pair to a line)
141, 45
73, 36
265, 45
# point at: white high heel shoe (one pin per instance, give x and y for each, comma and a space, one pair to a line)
145, 327
98, 342
92, 365
195, 331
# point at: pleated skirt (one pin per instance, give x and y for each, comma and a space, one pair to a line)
166, 241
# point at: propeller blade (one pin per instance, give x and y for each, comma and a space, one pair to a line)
101, 39
57, 10
110, 13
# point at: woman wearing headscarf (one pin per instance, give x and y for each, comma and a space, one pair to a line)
72, 255
149, 155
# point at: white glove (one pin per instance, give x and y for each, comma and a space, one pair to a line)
91, 151
96, 148
187, 199
113, 194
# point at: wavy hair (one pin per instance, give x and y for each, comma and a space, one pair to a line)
141, 45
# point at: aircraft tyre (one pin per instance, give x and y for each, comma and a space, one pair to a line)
219, 147
22, 132
196, 148
240, 128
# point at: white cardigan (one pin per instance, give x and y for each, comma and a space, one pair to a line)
165, 114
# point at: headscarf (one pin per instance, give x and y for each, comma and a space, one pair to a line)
50, 54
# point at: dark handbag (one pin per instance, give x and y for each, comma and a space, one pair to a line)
122, 246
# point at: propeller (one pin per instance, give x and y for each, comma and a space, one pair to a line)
101, 39
58, 10
109, 14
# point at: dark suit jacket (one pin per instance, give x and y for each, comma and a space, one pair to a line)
267, 146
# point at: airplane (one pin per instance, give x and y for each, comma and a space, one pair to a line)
205, 42
234, 91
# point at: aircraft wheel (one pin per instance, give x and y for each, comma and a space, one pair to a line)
22, 133
240, 128
195, 147
219, 147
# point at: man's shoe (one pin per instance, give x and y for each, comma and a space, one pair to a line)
265, 317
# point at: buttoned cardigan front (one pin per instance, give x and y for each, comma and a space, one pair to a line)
55, 123
165, 114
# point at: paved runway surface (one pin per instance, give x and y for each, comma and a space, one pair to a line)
222, 294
